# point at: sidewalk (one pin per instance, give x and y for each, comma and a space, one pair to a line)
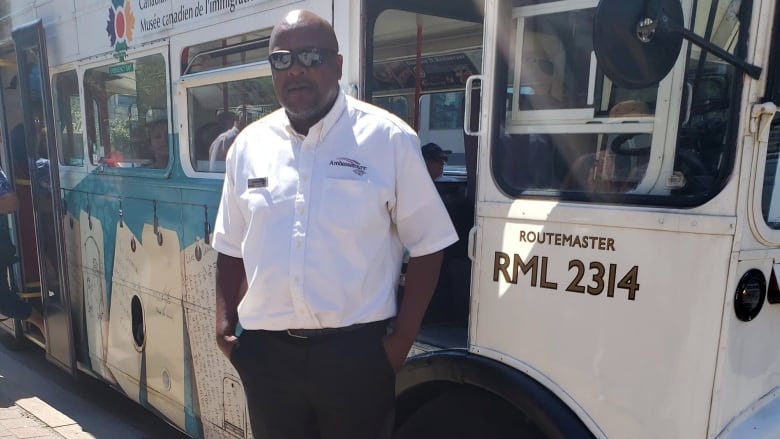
31, 417
17, 422
38, 400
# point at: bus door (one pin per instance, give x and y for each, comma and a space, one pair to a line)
42, 163
421, 54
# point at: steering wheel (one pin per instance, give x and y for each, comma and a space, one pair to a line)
618, 146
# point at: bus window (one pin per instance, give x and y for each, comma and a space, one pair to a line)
441, 122
227, 52
218, 112
67, 116
770, 197
770, 200
236, 91
398, 105
568, 131
427, 92
126, 107
446, 112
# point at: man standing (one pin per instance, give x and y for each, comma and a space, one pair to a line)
319, 201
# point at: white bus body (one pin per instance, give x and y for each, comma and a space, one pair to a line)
617, 270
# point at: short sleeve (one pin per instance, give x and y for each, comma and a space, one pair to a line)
230, 223
424, 226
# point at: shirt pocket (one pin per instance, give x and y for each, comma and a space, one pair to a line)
349, 204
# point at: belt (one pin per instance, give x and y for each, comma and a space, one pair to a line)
319, 332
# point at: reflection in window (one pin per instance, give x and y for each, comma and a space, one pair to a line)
14, 119
569, 131
398, 105
226, 52
770, 200
127, 106
427, 93
704, 152
67, 117
218, 112
599, 162
559, 85
446, 111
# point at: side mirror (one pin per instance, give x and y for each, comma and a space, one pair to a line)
637, 42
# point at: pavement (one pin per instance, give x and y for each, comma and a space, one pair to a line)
23, 414
16, 421
38, 400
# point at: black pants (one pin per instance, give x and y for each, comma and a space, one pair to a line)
334, 386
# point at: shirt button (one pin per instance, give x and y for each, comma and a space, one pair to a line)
304, 178
300, 211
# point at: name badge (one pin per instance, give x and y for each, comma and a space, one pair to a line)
257, 182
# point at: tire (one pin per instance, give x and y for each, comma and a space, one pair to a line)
467, 414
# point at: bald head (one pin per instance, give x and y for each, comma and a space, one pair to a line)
307, 83
302, 20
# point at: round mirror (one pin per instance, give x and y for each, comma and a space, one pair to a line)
634, 42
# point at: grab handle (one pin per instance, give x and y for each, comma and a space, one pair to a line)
467, 111
473, 244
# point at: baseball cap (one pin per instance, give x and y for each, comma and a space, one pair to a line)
432, 151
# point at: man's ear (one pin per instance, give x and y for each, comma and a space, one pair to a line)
339, 62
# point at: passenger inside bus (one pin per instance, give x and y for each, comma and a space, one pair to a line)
204, 136
446, 319
435, 159
232, 124
158, 143
447, 314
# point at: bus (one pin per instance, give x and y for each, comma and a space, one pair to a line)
613, 181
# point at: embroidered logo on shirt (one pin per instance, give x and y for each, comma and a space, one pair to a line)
257, 182
357, 168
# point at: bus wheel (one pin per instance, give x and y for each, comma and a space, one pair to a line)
467, 413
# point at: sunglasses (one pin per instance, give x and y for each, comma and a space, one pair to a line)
307, 57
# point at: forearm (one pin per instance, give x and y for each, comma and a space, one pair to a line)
422, 275
231, 287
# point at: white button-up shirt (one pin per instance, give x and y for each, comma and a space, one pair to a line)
321, 221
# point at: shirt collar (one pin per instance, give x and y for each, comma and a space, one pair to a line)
324, 125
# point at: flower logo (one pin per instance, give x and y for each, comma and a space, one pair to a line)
120, 26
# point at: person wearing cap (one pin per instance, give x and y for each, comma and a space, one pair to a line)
320, 198
435, 159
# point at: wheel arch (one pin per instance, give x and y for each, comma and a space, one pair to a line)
429, 375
